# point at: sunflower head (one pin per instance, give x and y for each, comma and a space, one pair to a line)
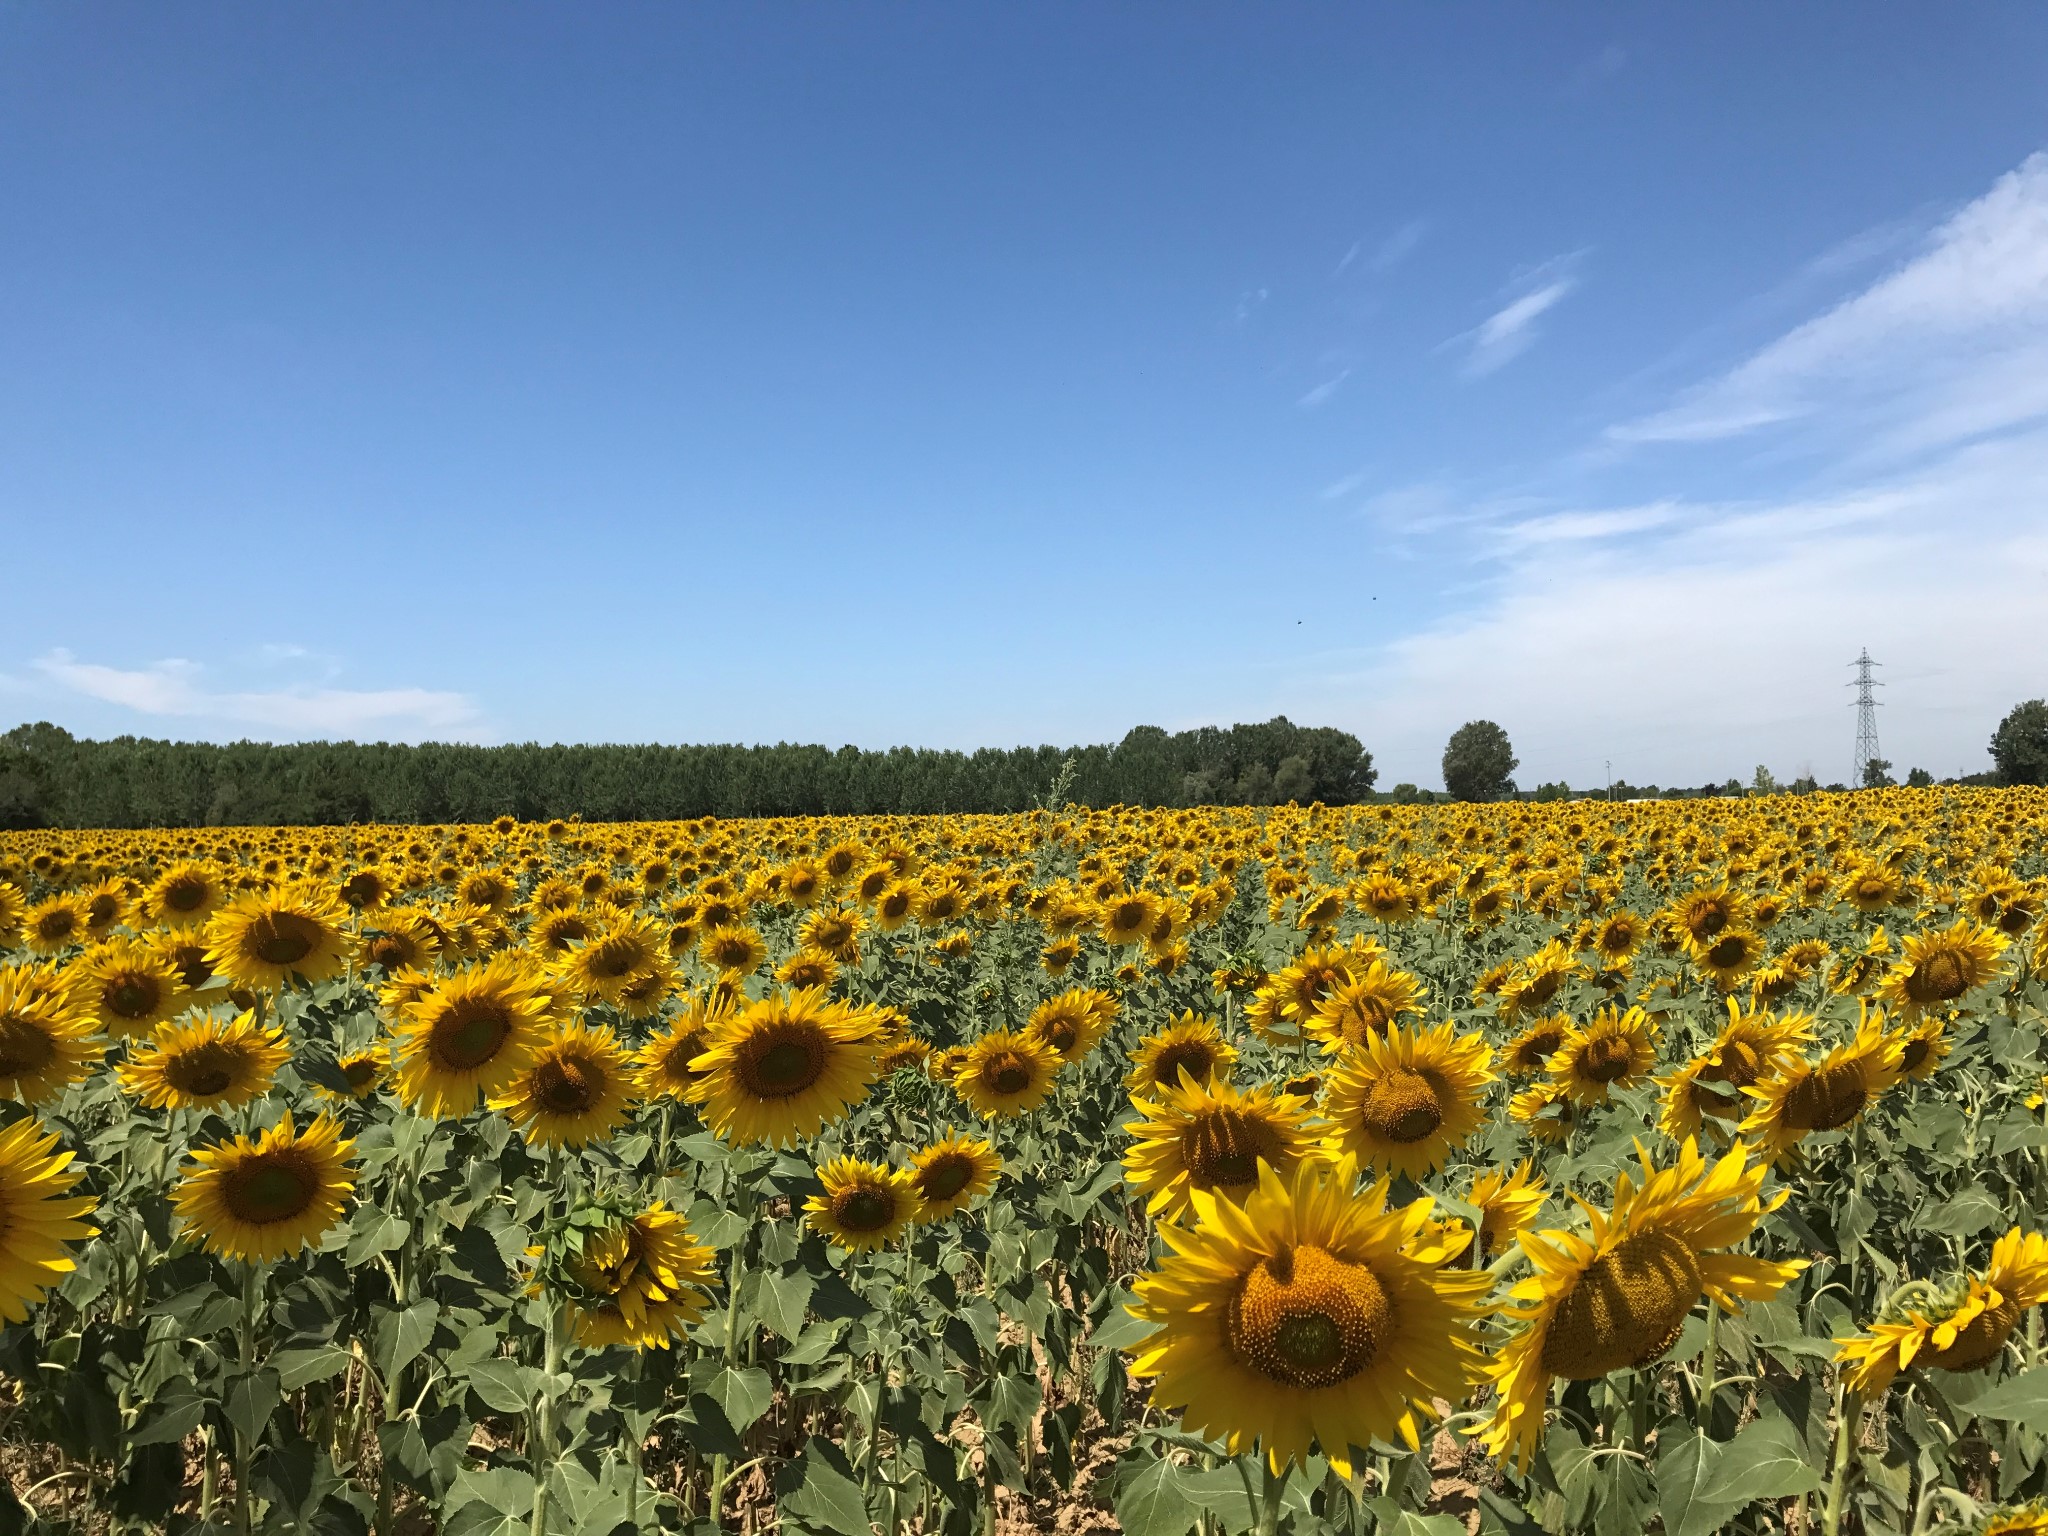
1529, 1052
1405, 1099
264, 1199
125, 987
642, 1282
575, 1090
1192, 1043
1805, 1095
863, 1205
46, 1044
207, 1064
1006, 1073
782, 1068
1938, 968
469, 1033
265, 940
1208, 1135
952, 1173
1614, 1049
40, 1216
1072, 1022
1364, 1006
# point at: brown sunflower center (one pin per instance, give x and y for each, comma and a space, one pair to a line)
611, 958
1827, 1098
1129, 916
864, 1208
567, 1085
206, 1071
1605, 1059
56, 925
1979, 1341
1625, 1310
360, 1072
1306, 1318
282, 938
1060, 1032
1403, 1106
1740, 1064
184, 894
1223, 1147
1536, 1049
1198, 1056
782, 1061
945, 1176
1008, 1073
1728, 952
133, 996
1915, 1053
270, 1187
1940, 978
24, 1049
470, 1032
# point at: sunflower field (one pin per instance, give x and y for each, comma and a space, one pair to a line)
1522, 1168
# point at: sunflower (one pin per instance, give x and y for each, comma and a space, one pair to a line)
265, 1199
894, 904
664, 1061
1958, 1327
1365, 1005
266, 938
124, 987
1405, 1099
207, 1064
738, 950
1059, 956
1507, 1201
1006, 1072
1072, 1022
106, 904
39, 1216
469, 1033
1936, 969
1705, 915
1211, 1136
1872, 888
863, 1205
1803, 1096
184, 895
12, 908
54, 924
576, 1089
1614, 1049
1546, 1111
400, 940
1858, 975
1617, 938
644, 995
1308, 1316
1191, 1043
45, 1045
646, 1282
834, 932
951, 1174
362, 1071
1283, 1004
1922, 1048
622, 952
783, 1068
1536, 979
556, 931
1129, 916
1728, 957
1618, 1298
1529, 1052
2029, 1519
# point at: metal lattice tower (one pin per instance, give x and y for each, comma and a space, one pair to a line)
1866, 706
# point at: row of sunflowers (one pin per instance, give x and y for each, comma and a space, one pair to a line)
1421, 1169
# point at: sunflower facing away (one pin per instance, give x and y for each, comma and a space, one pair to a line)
470, 1033
1804, 1096
951, 1174
863, 1205
1936, 969
1191, 1043
126, 988
1405, 1099
1006, 1072
1613, 1049
265, 1199
1618, 1298
1507, 1201
783, 1068
39, 1216
265, 939
207, 1064
45, 1046
648, 1278
576, 1090
1957, 1327
1308, 1316
1213, 1137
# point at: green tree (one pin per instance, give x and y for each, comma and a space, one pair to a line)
1479, 761
1919, 778
1877, 774
2020, 744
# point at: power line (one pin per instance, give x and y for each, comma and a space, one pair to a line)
1866, 706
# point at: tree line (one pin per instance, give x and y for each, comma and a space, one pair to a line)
48, 777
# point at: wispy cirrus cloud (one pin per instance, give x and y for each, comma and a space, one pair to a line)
176, 689
1321, 394
1510, 330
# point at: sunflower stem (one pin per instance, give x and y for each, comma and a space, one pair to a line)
1709, 1360
1848, 1425
1273, 1485
721, 1464
543, 1457
245, 1448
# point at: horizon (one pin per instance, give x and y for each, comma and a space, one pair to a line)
910, 378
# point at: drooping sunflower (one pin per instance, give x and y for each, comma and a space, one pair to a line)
648, 1278
125, 988
1308, 1316
1937, 968
1613, 1049
1403, 1100
1529, 1052
1858, 974
1545, 1111
39, 1216
185, 894
1803, 1095
1211, 1136
207, 1064
576, 1090
1507, 1200
265, 939
1364, 1006
952, 1173
863, 1205
2028, 1519
1006, 1073
469, 1033
265, 1199
54, 923
784, 1067
1962, 1326
1072, 1022
1750, 1047
1618, 1298
1536, 979
45, 1045
1191, 1043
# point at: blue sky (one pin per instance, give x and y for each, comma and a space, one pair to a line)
977, 375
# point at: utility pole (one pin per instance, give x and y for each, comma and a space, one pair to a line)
1865, 704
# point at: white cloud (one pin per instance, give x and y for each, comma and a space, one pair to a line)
173, 689
1323, 391
1952, 345
1390, 252
1507, 333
